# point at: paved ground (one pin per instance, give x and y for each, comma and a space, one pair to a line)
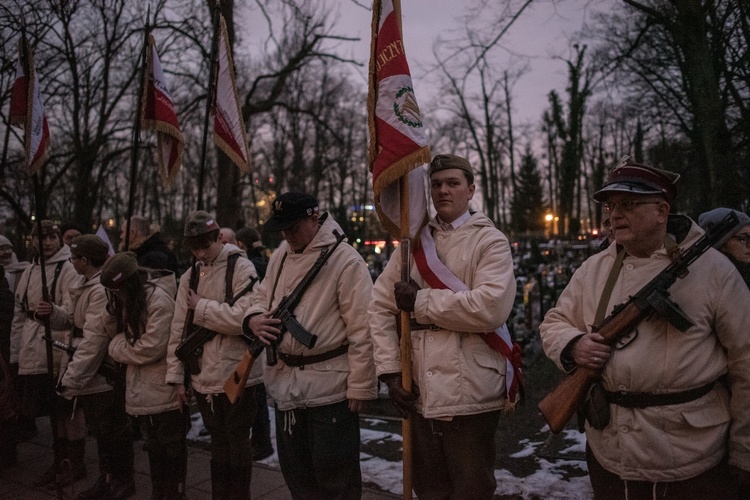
35, 457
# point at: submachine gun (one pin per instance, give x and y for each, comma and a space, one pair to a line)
190, 349
566, 399
235, 384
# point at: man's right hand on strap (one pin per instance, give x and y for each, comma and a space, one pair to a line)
401, 399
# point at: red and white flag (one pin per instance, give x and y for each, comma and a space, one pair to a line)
398, 143
27, 109
229, 128
158, 114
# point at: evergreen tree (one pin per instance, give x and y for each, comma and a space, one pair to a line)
527, 208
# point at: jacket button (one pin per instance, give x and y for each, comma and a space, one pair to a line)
429, 374
629, 267
624, 428
430, 338
328, 367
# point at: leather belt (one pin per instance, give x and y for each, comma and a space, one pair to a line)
646, 399
302, 360
421, 326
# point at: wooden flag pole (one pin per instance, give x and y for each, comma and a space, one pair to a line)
137, 130
405, 341
209, 102
404, 317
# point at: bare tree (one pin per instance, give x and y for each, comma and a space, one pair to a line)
682, 60
478, 96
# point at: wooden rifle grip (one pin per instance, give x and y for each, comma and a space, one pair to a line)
234, 386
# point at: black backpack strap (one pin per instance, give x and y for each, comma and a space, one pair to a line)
228, 289
58, 268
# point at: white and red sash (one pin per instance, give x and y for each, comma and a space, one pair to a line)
438, 276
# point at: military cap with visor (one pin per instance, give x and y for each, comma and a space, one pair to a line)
636, 178
290, 208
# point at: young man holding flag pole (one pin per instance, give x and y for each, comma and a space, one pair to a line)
398, 146
466, 368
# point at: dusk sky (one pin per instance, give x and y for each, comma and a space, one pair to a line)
539, 37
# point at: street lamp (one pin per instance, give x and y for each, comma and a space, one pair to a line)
548, 224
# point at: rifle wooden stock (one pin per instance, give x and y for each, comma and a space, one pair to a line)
235, 383
566, 399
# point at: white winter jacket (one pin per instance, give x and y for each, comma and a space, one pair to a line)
79, 374
223, 353
27, 346
456, 371
146, 392
334, 308
674, 442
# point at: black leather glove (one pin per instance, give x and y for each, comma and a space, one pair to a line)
60, 388
406, 294
741, 478
402, 400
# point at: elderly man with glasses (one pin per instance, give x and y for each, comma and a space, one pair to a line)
668, 425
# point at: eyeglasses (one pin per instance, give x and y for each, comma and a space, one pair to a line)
627, 205
744, 239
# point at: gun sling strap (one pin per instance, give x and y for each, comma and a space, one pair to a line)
300, 361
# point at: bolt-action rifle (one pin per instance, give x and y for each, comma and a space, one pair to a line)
235, 384
566, 399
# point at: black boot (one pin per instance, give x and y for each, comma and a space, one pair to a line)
157, 467
174, 476
121, 487
50, 476
239, 478
99, 490
220, 480
260, 439
47, 478
76, 451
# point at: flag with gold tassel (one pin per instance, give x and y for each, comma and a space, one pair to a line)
27, 109
158, 114
229, 127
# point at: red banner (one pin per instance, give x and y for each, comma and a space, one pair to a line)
27, 109
229, 127
158, 114
398, 143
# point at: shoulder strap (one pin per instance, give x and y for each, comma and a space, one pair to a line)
601, 310
228, 278
608, 287
58, 268
276, 281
